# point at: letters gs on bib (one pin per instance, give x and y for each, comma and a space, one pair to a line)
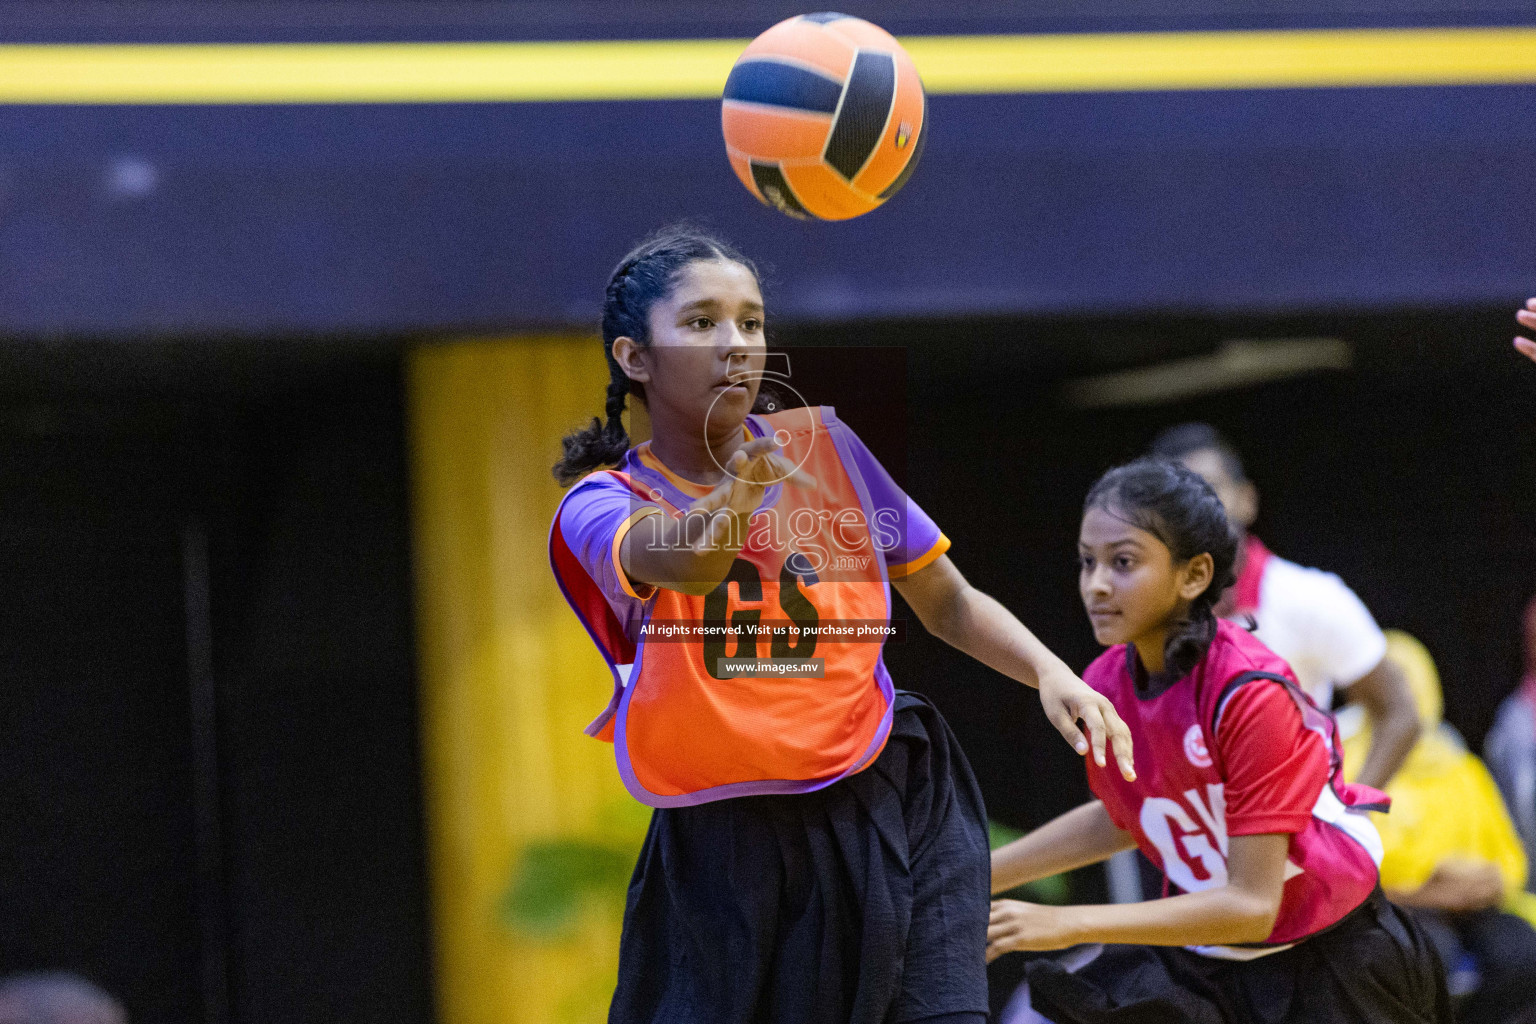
793, 603
739, 621
824, 117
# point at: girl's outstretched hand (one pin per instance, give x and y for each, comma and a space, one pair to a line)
1068, 700
751, 470
1527, 319
1016, 926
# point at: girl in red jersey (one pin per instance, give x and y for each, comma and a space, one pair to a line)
819, 852
1278, 915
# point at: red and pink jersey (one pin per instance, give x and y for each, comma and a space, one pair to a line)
1236, 748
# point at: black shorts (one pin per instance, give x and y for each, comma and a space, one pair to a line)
1373, 967
862, 903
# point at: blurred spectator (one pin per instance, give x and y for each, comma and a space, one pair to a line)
1308, 617
1511, 743
56, 999
1452, 855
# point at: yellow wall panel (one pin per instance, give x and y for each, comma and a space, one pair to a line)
532, 834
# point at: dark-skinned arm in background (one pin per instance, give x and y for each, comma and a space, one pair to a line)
1388, 702
1527, 319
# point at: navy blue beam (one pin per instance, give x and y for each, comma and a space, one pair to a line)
130, 221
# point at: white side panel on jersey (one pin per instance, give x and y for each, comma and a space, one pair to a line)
1356, 824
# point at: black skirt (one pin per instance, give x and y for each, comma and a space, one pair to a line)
862, 903
1373, 967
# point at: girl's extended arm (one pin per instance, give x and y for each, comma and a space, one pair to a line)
1394, 718
1458, 885
693, 554
1084, 835
1243, 910
962, 616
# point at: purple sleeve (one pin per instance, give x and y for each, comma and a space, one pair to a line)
593, 521
905, 534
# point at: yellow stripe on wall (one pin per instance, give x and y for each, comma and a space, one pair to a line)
366, 72
1127, 62
696, 69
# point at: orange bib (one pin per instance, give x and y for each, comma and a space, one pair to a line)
802, 616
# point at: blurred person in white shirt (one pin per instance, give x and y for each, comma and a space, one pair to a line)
1307, 616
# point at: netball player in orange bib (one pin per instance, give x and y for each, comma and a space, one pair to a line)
818, 853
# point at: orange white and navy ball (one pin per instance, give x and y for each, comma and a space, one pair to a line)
824, 116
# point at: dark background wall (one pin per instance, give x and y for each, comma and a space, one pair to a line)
1412, 475
227, 816
212, 808
210, 781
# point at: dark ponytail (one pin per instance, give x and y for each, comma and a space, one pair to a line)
643, 278
1178, 508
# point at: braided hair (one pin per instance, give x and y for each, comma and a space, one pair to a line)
1180, 509
643, 278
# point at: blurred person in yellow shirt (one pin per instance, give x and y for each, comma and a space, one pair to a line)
1452, 854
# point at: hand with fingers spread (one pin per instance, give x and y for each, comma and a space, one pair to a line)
692, 554
749, 472
1527, 319
977, 624
1068, 701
